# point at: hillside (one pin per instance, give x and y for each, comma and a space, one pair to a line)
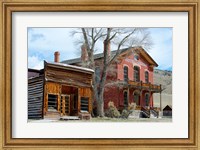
165, 79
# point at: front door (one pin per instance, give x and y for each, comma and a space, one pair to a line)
147, 100
65, 105
136, 99
73, 104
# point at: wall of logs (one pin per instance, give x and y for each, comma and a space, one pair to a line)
35, 97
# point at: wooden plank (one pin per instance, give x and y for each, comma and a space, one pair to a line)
68, 76
52, 88
69, 82
35, 97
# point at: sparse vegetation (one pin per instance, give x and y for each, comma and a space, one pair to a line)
165, 79
112, 111
125, 114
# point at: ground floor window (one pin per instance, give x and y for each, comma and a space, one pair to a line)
85, 104
52, 102
125, 99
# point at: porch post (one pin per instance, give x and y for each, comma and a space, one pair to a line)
149, 98
141, 103
160, 102
128, 96
139, 97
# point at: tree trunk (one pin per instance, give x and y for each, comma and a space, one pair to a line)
100, 107
100, 101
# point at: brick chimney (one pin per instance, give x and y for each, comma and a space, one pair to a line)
108, 47
57, 56
84, 54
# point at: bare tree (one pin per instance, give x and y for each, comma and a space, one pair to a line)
120, 37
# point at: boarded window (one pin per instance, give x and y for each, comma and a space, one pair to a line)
125, 99
52, 102
84, 104
125, 73
146, 76
136, 74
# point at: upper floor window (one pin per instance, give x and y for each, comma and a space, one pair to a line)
146, 76
136, 57
125, 73
136, 74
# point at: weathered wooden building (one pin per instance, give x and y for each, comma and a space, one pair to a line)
59, 90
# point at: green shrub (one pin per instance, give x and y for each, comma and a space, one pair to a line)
112, 111
126, 113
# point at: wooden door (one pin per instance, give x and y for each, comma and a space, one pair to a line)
65, 105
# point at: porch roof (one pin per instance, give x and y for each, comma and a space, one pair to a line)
141, 86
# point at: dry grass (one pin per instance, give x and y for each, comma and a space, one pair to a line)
105, 120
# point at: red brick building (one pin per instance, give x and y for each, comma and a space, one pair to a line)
129, 78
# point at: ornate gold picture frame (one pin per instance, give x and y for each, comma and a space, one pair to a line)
10, 6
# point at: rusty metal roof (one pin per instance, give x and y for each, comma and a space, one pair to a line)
69, 67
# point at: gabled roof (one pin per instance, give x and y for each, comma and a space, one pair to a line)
96, 56
148, 58
168, 107
142, 53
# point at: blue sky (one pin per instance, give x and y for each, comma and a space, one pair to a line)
43, 42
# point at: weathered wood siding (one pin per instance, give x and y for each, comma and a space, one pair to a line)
69, 77
51, 88
85, 92
35, 97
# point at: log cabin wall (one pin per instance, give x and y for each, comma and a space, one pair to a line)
35, 97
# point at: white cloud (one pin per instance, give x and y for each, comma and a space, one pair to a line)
35, 63
46, 41
43, 42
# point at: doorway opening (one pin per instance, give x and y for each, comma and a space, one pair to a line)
136, 98
70, 99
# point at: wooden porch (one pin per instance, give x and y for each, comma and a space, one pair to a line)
139, 93
145, 86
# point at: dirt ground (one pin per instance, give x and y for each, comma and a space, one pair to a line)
99, 120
